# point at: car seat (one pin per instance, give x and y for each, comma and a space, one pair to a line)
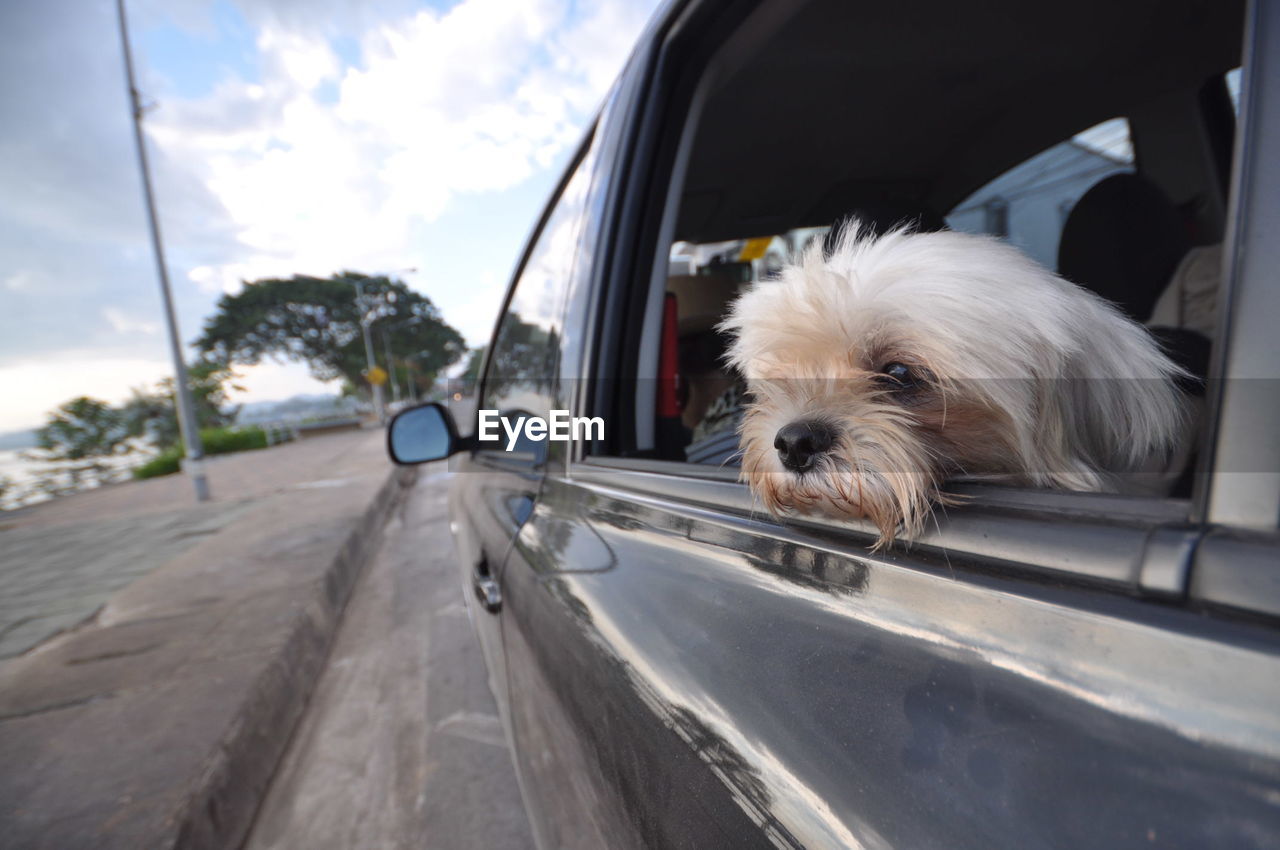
1124, 239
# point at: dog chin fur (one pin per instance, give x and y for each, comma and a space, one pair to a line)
1027, 378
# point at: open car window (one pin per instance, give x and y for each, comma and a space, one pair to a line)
1049, 163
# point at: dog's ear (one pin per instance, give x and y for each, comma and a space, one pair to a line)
1119, 406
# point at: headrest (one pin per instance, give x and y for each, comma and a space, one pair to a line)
883, 215
1123, 240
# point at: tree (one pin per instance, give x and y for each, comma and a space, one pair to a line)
317, 321
153, 415
525, 355
81, 433
84, 428
208, 380
471, 375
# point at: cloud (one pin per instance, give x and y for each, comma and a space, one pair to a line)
272, 380
72, 229
332, 135
20, 280
43, 384
306, 61
126, 324
472, 100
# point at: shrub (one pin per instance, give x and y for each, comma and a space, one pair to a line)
216, 441
167, 462
219, 441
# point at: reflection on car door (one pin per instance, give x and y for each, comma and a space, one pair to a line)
686, 678
609, 757
501, 482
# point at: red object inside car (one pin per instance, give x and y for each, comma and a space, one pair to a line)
668, 361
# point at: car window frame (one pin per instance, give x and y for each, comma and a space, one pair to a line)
1162, 534
1236, 567
1239, 419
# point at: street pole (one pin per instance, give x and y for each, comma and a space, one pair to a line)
187, 423
391, 366
378, 408
409, 393
410, 385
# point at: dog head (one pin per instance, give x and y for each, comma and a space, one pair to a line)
895, 362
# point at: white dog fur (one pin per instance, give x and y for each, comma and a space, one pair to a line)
1015, 373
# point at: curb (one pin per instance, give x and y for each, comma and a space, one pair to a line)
221, 806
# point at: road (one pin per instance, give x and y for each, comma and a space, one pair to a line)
401, 745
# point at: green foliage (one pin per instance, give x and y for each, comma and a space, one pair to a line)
525, 356
209, 381
153, 415
318, 321
216, 441
84, 428
471, 375
167, 462
83, 431
222, 440
75, 443
474, 362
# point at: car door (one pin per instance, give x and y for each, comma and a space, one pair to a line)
570, 804
1043, 670
497, 482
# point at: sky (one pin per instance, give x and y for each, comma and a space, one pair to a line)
419, 139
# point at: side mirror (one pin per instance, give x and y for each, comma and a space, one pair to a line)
421, 434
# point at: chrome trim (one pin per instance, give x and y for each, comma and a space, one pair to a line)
1104, 539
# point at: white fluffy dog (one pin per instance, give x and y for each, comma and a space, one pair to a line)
899, 361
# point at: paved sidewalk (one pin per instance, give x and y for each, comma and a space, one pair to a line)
159, 719
61, 560
232, 477
56, 576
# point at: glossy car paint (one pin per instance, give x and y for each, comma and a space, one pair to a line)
704, 680
676, 671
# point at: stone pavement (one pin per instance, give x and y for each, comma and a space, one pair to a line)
158, 720
53, 577
60, 560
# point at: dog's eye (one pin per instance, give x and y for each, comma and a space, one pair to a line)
903, 382
897, 375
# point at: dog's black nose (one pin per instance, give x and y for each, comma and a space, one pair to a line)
800, 442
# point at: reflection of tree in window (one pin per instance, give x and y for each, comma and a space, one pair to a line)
525, 358
526, 352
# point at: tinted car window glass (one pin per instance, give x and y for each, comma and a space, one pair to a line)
521, 376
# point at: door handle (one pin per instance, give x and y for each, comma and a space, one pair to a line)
487, 593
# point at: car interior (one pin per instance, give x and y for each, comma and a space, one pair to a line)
1096, 137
